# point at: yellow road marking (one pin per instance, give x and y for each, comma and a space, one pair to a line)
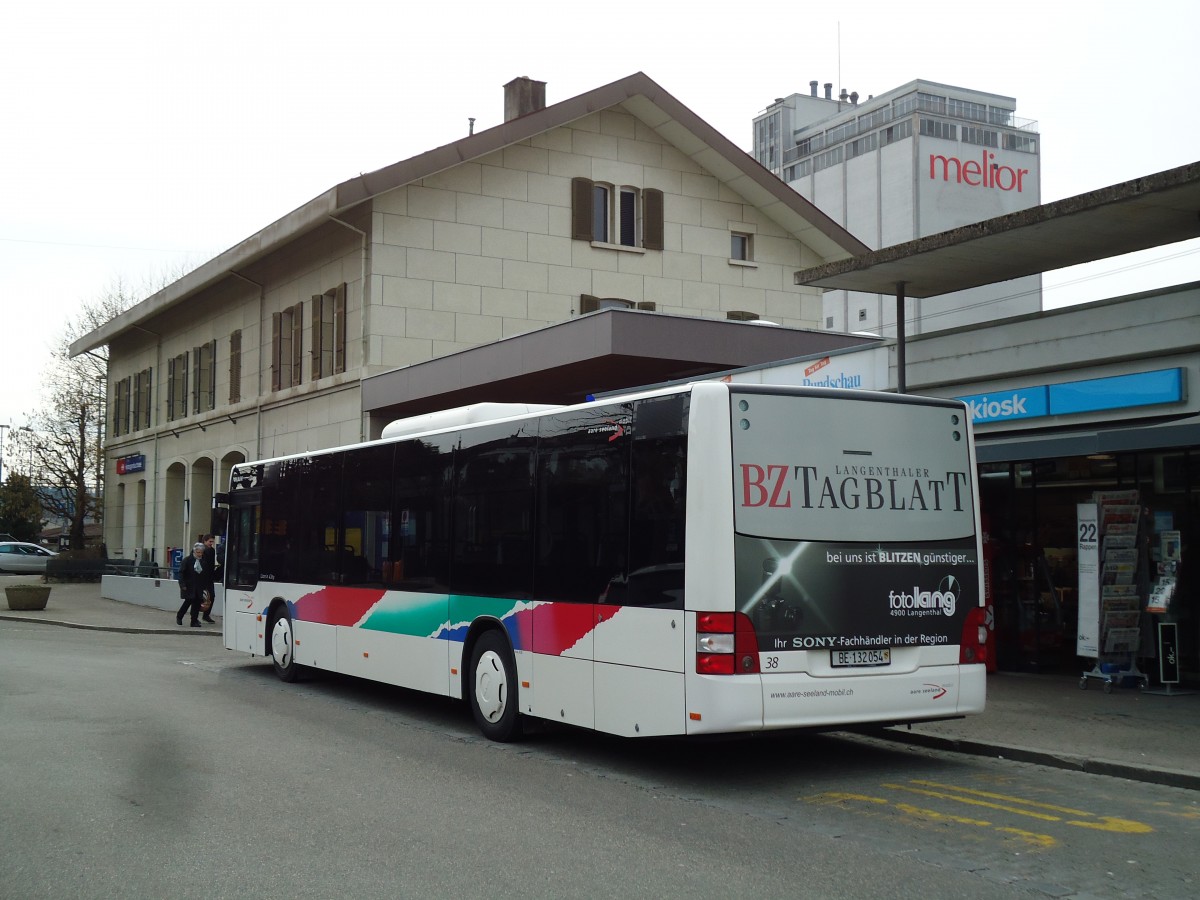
1121, 826
940, 816
836, 795
1088, 820
971, 801
1040, 841
1006, 797
1045, 812
1044, 841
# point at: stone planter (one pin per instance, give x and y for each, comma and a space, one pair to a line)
27, 596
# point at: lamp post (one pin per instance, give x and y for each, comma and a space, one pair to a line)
100, 415
28, 437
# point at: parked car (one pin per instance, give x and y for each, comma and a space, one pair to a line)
17, 556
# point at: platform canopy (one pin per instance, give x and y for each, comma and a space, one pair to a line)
1153, 211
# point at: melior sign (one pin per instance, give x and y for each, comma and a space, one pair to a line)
983, 173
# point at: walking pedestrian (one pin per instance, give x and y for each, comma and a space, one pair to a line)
194, 579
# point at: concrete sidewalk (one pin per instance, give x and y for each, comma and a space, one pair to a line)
82, 606
1043, 719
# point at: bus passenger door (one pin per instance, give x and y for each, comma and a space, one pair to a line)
241, 569
639, 644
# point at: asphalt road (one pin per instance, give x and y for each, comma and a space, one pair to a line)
156, 766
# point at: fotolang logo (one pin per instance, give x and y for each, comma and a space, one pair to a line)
920, 602
984, 172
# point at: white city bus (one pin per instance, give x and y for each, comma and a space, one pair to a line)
706, 559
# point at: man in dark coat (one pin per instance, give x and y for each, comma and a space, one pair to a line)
194, 579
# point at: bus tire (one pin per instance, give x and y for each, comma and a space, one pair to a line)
493, 688
281, 645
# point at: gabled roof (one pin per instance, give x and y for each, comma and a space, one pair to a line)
637, 94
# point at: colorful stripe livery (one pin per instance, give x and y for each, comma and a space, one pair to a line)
539, 626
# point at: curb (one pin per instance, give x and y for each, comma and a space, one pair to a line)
124, 629
1147, 774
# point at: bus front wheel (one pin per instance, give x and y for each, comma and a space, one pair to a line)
282, 638
493, 688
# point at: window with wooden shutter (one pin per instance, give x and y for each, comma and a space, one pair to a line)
235, 366
297, 343
134, 389
177, 382
652, 219
624, 217
601, 197
277, 351
286, 346
329, 332
339, 329
121, 397
204, 377
141, 405
320, 342
581, 209
628, 217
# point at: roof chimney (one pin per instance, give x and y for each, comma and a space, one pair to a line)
523, 96
812, 88
854, 98
843, 96
829, 90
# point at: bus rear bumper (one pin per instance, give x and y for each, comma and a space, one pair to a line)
797, 701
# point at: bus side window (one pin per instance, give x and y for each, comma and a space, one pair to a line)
367, 518
493, 513
319, 550
419, 555
582, 505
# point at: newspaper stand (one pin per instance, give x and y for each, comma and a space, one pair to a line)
1159, 604
1120, 605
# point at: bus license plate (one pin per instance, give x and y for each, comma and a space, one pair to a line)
846, 658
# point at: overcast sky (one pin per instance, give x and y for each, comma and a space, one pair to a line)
142, 138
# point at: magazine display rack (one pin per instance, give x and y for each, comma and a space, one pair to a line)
1119, 514
1162, 591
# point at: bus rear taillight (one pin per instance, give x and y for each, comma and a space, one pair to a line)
726, 644
972, 649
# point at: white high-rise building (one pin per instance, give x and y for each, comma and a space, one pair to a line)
912, 162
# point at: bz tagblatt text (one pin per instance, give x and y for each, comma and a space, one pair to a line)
869, 488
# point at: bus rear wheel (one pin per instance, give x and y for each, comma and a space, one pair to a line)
493, 688
282, 639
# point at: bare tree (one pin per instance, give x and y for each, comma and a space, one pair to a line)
64, 439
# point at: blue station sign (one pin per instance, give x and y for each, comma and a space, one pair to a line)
1090, 395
